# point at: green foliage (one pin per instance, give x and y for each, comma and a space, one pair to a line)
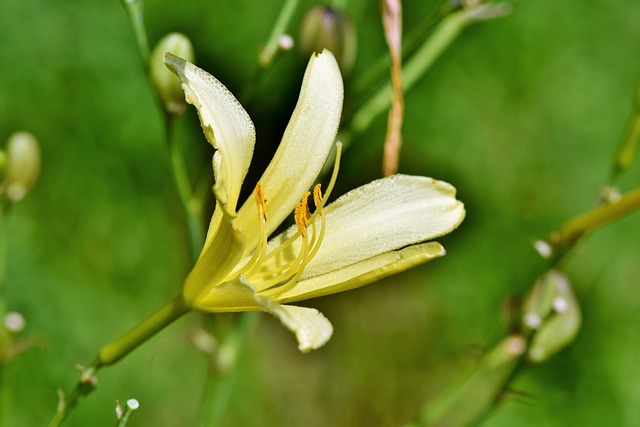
522, 114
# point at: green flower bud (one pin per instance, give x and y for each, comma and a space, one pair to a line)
561, 326
22, 166
167, 84
324, 27
537, 304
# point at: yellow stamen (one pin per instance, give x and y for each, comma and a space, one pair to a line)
261, 248
302, 214
261, 202
283, 271
317, 197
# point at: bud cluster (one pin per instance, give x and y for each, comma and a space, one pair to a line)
552, 315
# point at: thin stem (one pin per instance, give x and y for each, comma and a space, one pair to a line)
574, 229
464, 402
414, 38
392, 20
628, 148
192, 202
441, 38
116, 350
130, 407
135, 11
270, 50
223, 366
5, 337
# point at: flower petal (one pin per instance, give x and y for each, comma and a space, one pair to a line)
226, 125
362, 273
311, 328
221, 253
305, 145
385, 215
231, 296
382, 216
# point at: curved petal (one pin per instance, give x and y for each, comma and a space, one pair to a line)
385, 215
226, 125
362, 273
382, 216
305, 145
311, 328
220, 255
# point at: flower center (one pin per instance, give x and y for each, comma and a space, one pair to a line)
275, 268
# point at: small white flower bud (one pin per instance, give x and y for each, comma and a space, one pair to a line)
14, 322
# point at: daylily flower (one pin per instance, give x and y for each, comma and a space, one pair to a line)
369, 233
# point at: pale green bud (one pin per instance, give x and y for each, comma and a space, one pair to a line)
22, 166
538, 303
167, 84
563, 323
324, 27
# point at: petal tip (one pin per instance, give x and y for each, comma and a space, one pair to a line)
174, 63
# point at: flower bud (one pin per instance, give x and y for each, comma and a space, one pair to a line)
14, 322
22, 166
537, 304
167, 84
324, 27
563, 323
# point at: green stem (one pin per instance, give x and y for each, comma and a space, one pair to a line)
192, 203
414, 38
596, 218
220, 383
5, 337
473, 398
442, 37
270, 50
467, 401
628, 147
135, 11
130, 407
116, 350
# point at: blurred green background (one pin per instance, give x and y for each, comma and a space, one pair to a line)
522, 115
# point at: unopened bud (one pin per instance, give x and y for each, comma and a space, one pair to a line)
561, 326
22, 166
167, 84
324, 27
537, 304
14, 322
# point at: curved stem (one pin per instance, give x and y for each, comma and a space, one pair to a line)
116, 350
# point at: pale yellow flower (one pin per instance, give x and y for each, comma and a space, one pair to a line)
369, 233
